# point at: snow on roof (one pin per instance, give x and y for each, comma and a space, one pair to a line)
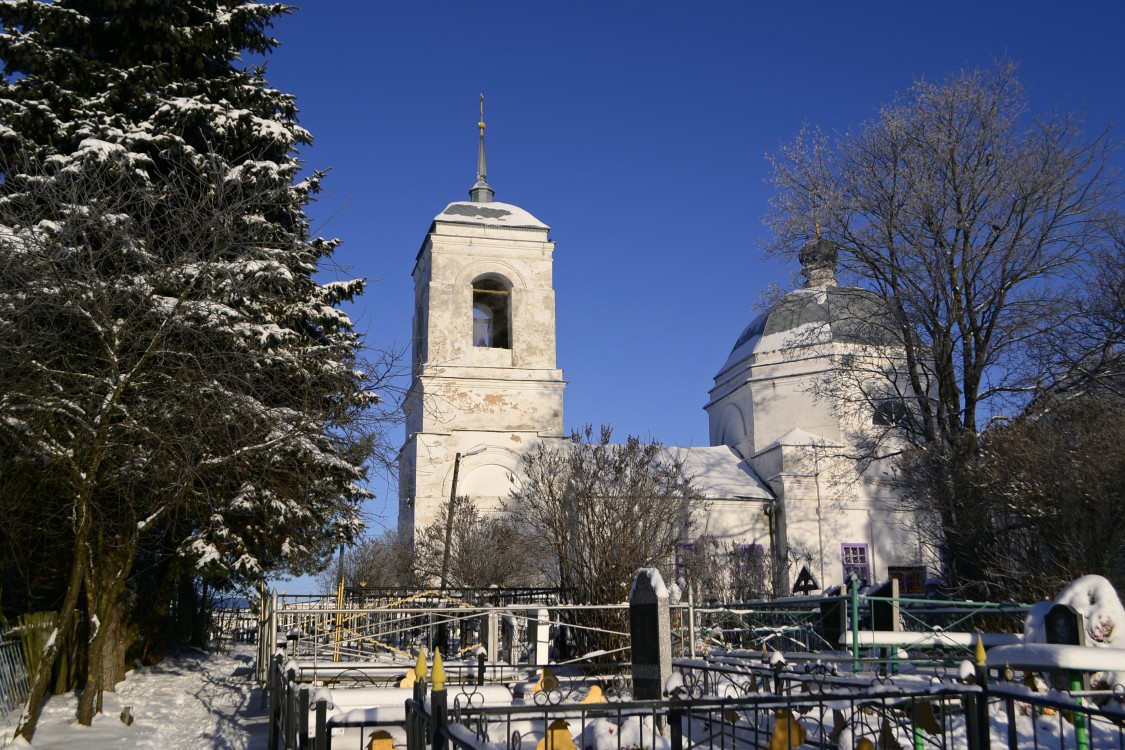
719, 472
798, 437
496, 214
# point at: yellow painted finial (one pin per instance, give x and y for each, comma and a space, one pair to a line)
481, 123
438, 680
420, 668
981, 658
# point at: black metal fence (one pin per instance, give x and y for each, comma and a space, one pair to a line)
714, 706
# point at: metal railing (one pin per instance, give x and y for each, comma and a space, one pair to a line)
13, 677
715, 705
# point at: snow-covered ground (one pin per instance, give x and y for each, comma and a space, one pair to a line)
192, 700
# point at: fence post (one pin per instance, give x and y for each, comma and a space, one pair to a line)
490, 636
508, 637
980, 737
420, 671
414, 723
303, 718
691, 622
855, 624
321, 741
438, 704
916, 726
650, 632
290, 722
676, 725
480, 669
274, 683
273, 622
1013, 735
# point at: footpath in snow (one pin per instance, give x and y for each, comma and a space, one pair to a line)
193, 700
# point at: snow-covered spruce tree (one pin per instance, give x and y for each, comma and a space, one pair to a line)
171, 367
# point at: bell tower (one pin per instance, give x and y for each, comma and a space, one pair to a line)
484, 385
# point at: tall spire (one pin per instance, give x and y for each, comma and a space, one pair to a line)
481, 192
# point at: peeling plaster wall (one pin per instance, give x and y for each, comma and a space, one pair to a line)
467, 398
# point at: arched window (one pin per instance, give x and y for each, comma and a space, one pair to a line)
492, 313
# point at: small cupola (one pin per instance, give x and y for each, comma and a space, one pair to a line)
818, 262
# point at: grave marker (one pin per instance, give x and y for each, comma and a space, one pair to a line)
1066, 626
805, 583
650, 630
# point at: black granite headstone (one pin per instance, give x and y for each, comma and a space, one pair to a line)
650, 635
1065, 626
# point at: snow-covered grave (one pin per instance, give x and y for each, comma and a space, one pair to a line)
1100, 658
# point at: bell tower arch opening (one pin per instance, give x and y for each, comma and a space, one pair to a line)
492, 312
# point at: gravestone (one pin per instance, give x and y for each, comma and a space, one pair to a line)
1066, 626
885, 615
650, 631
538, 639
833, 621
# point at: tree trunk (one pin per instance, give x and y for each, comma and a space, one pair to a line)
105, 592
64, 633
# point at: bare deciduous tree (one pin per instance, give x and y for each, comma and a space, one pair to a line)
376, 562
599, 511
485, 549
967, 217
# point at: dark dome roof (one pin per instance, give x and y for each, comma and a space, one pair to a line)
844, 314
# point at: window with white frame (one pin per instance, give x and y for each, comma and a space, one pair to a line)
856, 563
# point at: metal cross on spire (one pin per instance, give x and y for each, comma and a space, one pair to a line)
481, 192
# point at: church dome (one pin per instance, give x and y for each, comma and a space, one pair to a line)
815, 316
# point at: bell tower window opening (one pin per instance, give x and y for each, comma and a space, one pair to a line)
492, 314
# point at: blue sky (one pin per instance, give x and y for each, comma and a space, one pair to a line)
637, 131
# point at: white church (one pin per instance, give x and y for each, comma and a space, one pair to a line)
486, 387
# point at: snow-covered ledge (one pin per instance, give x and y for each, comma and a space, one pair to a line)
1049, 656
936, 638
